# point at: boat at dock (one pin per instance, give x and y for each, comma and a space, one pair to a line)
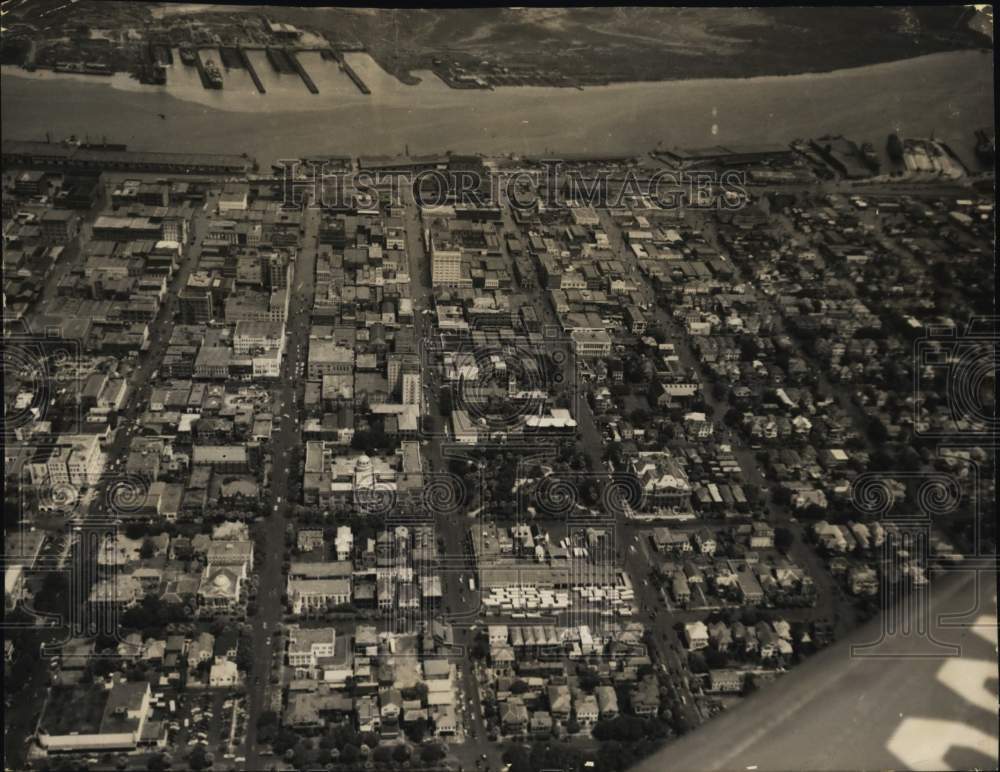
188, 56
213, 78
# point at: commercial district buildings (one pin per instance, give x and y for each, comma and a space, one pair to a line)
406, 481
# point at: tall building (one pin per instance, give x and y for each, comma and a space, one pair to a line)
395, 366
410, 384
446, 256
196, 303
252, 337
275, 268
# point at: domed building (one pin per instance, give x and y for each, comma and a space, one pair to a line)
220, 589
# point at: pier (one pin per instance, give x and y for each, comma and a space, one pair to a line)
279, 60
248, 65
56, 156
294, 59
230, 58
349, 71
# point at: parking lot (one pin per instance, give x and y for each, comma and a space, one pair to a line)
213, 718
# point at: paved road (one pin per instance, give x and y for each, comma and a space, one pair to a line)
839, 711
285, 442
460, 603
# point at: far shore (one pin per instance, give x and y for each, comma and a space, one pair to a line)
419, 80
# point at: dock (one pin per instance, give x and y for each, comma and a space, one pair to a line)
294, 59
51, 155
230, 58
248, 65
279, 60
349, 71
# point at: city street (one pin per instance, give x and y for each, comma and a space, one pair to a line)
461, 604
285, 444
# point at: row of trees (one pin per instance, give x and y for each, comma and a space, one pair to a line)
342, 745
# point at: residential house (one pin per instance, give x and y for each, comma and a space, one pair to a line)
560, 702
513, 716
696, 634
587, 710
540, 724
645, 697
720, 636
705, 540
223, 675
767, 640
863, 580
607, 701
761, 536
725, 680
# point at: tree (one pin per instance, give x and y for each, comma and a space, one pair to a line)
519, 687
244, 653
517, 757
417, 692
589, 680
431, 752
401, 753
714, 658
417, 730
480, 647
148, 549
696, 661
783, 539
383, 754
136, 530
285, 740
680, 724
158, 763
55, 590
546, 755
300, 756
199, 758
349, 754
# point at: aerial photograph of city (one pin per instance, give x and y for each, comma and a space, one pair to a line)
536, 389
